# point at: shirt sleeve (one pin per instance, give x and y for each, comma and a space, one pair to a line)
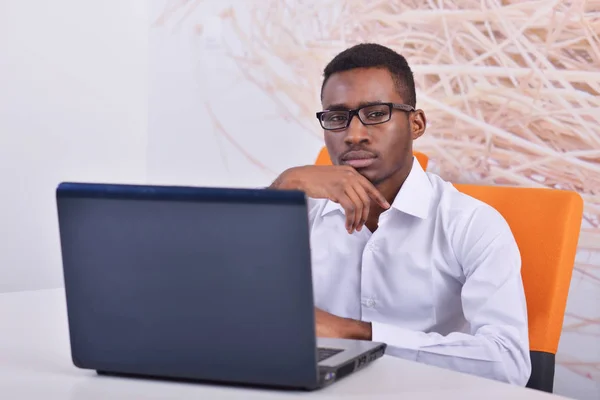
493, 301
315, 207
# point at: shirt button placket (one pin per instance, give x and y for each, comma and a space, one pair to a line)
366, 271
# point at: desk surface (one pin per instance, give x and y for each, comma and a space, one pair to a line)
35, 363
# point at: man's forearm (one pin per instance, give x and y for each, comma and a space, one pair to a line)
359, 330
329, 325
287, 181
278, 183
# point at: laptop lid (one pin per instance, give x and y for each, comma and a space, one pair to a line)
199, 283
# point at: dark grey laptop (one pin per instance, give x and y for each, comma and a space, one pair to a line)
196, 283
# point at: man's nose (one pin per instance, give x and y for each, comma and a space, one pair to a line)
357, 132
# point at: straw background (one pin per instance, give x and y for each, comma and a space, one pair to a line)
510, 89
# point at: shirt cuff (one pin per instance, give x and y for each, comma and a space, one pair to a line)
401, 342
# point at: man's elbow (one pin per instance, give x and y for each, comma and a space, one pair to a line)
517, 367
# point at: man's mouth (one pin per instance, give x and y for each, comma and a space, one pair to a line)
358, 159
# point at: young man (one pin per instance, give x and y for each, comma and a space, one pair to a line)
399, 255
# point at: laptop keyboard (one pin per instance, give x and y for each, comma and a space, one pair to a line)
324, 353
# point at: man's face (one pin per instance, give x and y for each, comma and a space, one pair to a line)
380, 151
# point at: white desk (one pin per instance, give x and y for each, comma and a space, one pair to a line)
35, 363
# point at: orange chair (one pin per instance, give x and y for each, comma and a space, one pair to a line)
323, 158
546, 225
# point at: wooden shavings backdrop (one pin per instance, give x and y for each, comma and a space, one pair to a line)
510, 88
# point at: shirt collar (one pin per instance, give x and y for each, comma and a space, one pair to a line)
414, 197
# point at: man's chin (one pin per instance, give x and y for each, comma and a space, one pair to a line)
369, 174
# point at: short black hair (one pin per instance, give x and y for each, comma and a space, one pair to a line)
372, 55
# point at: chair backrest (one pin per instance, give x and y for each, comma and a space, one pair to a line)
324, 159
546, 225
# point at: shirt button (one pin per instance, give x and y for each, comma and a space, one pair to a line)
370, 303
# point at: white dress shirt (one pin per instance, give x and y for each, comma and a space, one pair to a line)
439, 279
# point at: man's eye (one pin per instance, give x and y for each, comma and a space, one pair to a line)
377, 115
337, 117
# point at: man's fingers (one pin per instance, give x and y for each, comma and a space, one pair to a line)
372, 190
359, 207
349, 208
374, 193
366, 206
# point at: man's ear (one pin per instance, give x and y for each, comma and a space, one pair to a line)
418, 123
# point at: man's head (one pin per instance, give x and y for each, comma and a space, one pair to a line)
379, 147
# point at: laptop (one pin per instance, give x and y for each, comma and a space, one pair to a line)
203, 284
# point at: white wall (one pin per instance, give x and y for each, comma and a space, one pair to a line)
73, 95
208, 124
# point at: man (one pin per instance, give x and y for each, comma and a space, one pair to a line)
399, 255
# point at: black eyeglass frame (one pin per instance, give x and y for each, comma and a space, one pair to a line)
352, 113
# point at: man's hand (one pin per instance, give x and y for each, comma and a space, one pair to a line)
341, 184
332, 326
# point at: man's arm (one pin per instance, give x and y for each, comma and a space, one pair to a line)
493, 300
341, 184
287, 181
332, 326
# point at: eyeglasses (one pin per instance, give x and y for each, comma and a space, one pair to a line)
372, 114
